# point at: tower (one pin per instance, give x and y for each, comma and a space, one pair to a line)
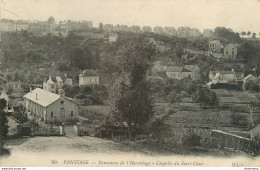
49, 85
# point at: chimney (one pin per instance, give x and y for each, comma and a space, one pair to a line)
30, 88
36, 97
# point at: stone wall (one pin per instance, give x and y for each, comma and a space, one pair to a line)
227, 140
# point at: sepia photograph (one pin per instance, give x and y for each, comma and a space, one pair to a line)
129, 83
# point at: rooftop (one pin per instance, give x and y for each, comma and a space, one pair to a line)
177, 69
42, 97
88, 72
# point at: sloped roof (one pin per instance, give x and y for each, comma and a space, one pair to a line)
194, 68
58, 79
177, 69
88, 72
174, 69
227, 72
44, 98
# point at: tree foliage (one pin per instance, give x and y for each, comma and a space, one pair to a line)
227, 34
3, 126
130, 98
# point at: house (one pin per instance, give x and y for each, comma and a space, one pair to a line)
196, 71
178, 72
88, 77
228, 77
135, 29
208, 33
68, 81
50, 85
53, 86
112, 37
147, 29
16, 85
183, 32
59, 83
230, 51
50, 107
194, 32
153, 75
158, 30
248, 78
170, 31
215, 46
108, 27
124, 28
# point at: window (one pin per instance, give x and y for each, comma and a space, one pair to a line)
51, 114
96, 80
61, 102
90, 80
71, 113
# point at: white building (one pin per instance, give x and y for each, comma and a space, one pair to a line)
50, 107
88, 77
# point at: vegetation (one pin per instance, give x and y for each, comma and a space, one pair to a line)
131, 87
3, 127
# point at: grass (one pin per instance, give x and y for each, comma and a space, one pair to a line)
104, 110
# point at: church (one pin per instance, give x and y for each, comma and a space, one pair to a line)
50, 107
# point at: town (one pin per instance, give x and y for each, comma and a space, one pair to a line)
158, 90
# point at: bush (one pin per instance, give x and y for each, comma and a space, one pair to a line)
191, 140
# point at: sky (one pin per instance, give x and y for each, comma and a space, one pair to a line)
239, 15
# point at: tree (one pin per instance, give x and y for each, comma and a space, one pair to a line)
9, 77
178, 50
100, 26
248, 33
243, 33
254, 35
252, 86
51, 20
226, 34
16, 76
3, 127
249, 52
130, 98
175, 98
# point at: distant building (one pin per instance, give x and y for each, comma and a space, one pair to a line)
68, 81
170, 31
108, 27
59, 83
50, 86
147, 29
227, 77
124, 28
135, 29
194, 32
178, 72
208, 33
215, 46
50, 107
230, 51
113, 37
158, 30
248, 78
88, 77
195, 70
15, 85
183, 32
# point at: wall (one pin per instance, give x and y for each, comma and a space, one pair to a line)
56, 108
35, 109
227, 140
88, 80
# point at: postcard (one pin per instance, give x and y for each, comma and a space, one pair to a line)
129, 83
